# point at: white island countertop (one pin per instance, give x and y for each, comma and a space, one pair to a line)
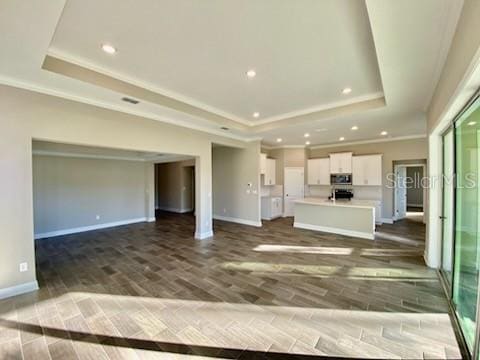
346, 203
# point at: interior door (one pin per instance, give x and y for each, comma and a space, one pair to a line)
400, 192
294, 186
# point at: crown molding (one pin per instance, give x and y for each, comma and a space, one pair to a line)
323, 107
269, 147
148, 159
84, 64
86, 156
145, 85
64, 95
371, 141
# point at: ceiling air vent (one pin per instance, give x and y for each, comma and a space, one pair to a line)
130, 100
224, 128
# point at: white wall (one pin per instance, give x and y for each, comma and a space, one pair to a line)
69, 193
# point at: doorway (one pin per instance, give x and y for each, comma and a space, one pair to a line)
294, 187
175, 186
409, 192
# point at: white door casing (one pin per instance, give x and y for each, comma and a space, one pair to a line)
294, 187
400, 192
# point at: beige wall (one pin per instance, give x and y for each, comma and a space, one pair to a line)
458, 81
233, 169
392, 151
415, 190
463, 54
286, 157
174, 186
27, 115
70, 192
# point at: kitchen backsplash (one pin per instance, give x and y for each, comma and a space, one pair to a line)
359, 192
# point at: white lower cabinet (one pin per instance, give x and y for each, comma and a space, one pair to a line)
378, 213
271, 207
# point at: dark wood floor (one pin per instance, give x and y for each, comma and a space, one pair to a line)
151, 291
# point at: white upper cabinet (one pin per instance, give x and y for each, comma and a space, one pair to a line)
367, 170
270, 172
263, 163
319, 171
341, 163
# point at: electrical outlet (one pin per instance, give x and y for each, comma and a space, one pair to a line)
224, 210
23, 267
97, 217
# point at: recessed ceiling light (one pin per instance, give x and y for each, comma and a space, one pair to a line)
471, 123
109, 49
307, 142
355, 127
341, 138
251, 73
383, 133
279, 140
346, 91
256, 114
306, 135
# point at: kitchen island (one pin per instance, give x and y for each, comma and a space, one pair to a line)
344, 217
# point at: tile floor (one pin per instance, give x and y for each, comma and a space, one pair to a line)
150, 291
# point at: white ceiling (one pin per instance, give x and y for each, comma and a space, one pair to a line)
200, 51
304, 52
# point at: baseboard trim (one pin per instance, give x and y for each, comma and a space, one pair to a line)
18, 289
272, 218
238, 221
152, 219
327, 229
387, 220
204, 235
175, 210
415, 205
88, 228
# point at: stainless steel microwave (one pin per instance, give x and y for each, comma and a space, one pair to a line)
341, 179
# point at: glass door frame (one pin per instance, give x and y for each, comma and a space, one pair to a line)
475, 354
449, 285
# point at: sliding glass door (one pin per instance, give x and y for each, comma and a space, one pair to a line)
466, 199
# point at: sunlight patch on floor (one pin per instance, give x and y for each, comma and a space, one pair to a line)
173, 323
353, 272
325, 250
